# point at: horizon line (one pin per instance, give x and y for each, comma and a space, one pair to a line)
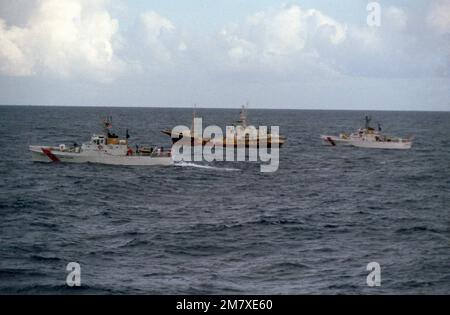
249, 107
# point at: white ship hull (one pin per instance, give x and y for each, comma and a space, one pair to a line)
382, 145
362, 143
40, 154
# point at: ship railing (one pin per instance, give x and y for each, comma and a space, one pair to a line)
153, 151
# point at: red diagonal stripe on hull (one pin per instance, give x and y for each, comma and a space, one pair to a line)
331, 141
50, 155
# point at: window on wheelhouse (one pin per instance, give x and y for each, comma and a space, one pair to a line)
98, 140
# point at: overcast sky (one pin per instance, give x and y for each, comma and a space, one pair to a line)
223, 53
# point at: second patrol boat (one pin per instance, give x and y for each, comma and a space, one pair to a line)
368, 137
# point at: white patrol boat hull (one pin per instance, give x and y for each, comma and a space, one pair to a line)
382, 144
364, 143
53, 154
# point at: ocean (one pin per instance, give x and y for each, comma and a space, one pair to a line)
312, 227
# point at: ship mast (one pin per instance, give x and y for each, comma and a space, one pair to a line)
368, 119
194, 115
243, 116
107, 124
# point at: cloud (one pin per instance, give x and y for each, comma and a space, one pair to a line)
439, 16
438, 20
400, 47
283, 32
163, 42
396, 18
297, 42
80, 38
63, 38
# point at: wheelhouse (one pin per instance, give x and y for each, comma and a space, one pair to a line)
98, 140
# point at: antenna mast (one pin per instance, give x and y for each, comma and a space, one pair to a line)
368, 119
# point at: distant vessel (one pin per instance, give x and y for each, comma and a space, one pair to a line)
239, 137
105, 148
195, 140
368, 137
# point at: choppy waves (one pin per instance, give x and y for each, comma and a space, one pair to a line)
224, 228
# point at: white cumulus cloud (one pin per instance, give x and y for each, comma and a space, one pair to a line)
291, 39
439, 16
162, 39
282, 32
64, 38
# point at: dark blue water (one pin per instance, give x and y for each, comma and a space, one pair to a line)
311, 227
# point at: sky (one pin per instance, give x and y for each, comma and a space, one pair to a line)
224, 53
